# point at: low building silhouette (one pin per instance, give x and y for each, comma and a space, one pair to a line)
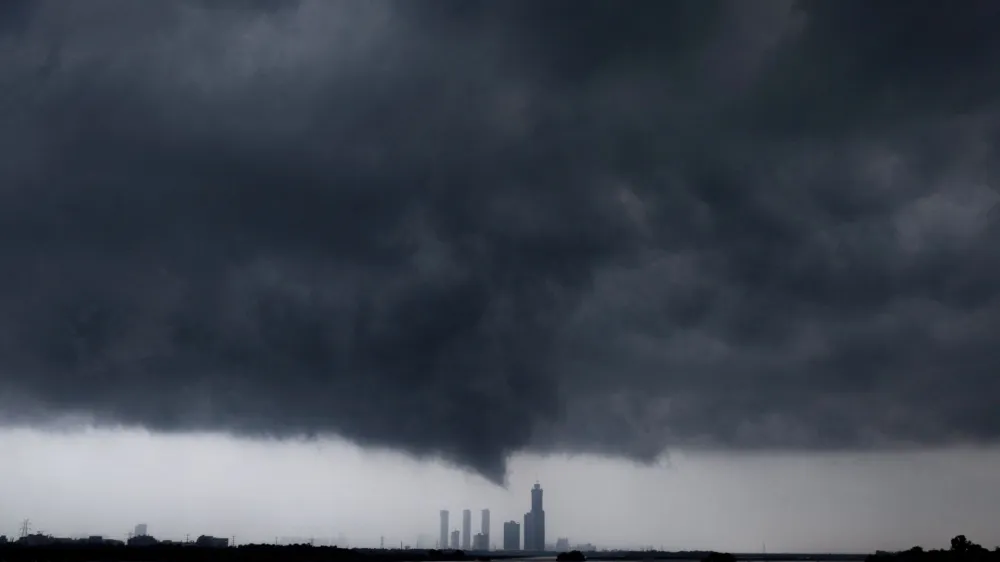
142, 540
455, 537
36, 539
211, 542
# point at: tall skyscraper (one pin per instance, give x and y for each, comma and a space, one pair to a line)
485, 530
534, 522
443, 540
467, 529
511, 535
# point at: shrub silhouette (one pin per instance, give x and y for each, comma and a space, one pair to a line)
571, 556
961, 550
719, 557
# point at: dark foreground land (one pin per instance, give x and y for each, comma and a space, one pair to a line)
705, 555
961, 550
245, 553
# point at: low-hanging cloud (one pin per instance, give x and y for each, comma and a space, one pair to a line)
465, 229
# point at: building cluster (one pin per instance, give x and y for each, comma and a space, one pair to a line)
533, 530
464, 539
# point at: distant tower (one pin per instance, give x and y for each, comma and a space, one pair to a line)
140, 530
534, 522
485, 530
25, 528
454, 539
443, 541
467, 529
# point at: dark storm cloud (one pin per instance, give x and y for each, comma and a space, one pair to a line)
466, 229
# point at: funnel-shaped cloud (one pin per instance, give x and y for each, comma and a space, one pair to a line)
465, 229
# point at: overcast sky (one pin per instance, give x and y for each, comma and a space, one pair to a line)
477, 233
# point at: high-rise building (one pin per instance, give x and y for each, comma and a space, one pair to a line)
140, 530
467, 529
485, 529
534, 522
529, 527
454, 539
479, 542
562, 544
511, 535
443, 540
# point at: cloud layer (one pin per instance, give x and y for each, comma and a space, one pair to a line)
465, 229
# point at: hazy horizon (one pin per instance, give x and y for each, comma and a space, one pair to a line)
106, 481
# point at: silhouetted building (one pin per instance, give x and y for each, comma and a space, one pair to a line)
454, 539
210, 541
485, 529
511, 535
35, 539
534, 522
480, 542
140, 530
3, 539
562, 544
142, 540
443, 539
527, 526
467, 529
